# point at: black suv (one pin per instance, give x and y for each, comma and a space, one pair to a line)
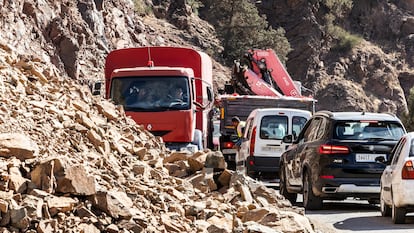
338, 155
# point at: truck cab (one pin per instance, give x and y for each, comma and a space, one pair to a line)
168, 90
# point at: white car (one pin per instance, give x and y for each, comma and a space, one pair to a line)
397, 181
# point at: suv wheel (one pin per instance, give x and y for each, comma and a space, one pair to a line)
310, 201
282, 187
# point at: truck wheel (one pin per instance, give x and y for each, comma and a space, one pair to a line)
282, 187
310, 201
198, 139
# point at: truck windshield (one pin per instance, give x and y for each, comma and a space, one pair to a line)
151, 93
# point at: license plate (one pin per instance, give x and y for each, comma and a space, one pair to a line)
229, 151
271, 149
368, 157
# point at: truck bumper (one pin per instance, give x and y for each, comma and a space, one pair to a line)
229, 154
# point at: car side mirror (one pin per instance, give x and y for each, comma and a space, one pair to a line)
96, 88
381, 159
287, 139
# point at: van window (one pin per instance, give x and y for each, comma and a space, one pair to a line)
273, 127
297, 124
248, 128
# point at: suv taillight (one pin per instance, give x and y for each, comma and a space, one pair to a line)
333, 149
252, 141
408, 170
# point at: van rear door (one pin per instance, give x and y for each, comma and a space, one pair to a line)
273, 126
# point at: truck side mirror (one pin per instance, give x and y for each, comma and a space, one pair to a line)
209, 94
96, 88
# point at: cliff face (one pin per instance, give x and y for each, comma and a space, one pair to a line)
375, 76
76, 36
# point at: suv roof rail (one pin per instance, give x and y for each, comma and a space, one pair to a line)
325, 112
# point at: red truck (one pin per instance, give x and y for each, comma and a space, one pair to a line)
168, 90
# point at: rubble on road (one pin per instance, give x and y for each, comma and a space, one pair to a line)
73, 162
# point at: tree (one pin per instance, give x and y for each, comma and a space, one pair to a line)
408, 119
240, 27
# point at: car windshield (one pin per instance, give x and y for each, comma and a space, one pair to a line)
151, 93
368, 130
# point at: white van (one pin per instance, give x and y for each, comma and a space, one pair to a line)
262, 143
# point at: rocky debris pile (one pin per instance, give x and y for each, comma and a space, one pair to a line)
73, 162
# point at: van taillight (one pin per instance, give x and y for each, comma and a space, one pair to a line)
228, 145
408, 170
332, 149
252, 141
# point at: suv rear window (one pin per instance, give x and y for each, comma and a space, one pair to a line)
365, 130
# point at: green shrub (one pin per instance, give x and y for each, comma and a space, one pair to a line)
141, 8
345, 40
408, 119
240, 27
195, 5
338, 7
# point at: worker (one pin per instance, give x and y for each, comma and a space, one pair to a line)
176, 94
238, 126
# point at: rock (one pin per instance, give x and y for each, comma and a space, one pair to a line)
176, 156
19, 218
75, 180
4, 206
197, 161
17, 182
224, 178
116, 204
34, 206
43, 176
46, 226
57, 204
215, 159
17, 145
112, 229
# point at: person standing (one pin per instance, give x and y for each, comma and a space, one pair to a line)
238, 126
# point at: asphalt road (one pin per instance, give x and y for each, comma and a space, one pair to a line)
353, 216
356, 216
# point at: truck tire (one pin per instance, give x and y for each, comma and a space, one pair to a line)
198, 139
310, 201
